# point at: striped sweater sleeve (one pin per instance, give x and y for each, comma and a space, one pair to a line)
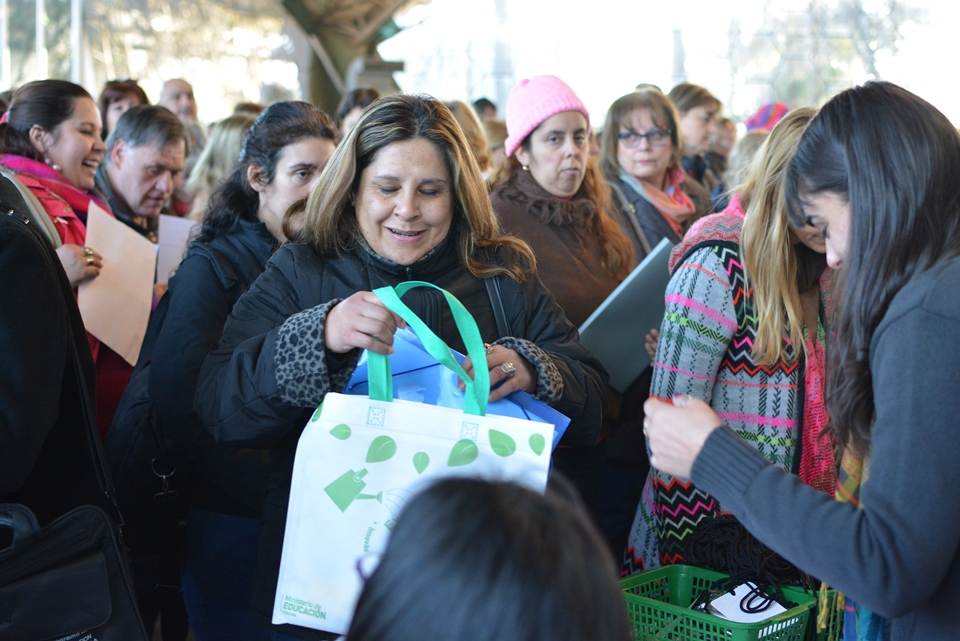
698, 325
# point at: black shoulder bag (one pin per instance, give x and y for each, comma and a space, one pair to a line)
68, 581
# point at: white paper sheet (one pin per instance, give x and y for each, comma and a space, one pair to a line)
115, 305
173, 236
728, 605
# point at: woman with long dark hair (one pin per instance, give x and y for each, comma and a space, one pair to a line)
547, 577
282, 156
876, 171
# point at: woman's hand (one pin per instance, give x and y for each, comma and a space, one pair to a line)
677, 432
80, 263
650, 343
501, 361
361, 321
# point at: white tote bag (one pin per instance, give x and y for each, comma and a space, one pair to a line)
360, 460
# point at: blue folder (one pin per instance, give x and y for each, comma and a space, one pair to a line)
418, 377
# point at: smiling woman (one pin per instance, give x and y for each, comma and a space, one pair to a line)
51, 142
401, 199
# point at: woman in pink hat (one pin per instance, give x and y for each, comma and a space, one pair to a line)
550, 193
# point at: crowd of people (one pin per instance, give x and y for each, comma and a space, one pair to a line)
809, 336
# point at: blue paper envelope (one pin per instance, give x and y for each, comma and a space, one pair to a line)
418, 377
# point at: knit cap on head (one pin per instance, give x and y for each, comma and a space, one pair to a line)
534, 100
767, 116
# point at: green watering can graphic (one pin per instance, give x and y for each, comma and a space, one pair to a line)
347, 488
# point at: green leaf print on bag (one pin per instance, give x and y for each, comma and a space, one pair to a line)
421, 461
502, 444
537, 443
316, 414
382, 449
464, 452
341, 432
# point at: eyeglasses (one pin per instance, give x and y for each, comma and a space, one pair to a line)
656, 138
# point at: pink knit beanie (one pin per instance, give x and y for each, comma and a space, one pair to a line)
534, 100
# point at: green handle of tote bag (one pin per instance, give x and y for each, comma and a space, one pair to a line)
378, 365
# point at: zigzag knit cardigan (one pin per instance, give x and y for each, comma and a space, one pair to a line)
704, 350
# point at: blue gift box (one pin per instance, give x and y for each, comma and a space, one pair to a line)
418, 377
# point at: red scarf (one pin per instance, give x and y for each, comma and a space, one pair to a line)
51, 180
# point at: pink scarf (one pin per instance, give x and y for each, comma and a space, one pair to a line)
673, 204
65, 204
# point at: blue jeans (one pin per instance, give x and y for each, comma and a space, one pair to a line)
217, 575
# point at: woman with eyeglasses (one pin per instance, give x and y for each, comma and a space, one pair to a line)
640, 155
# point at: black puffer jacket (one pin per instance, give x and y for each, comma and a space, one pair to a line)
211, 278
272, 370
46, 460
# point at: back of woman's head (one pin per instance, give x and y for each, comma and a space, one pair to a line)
741, 157
359, 98
219, 156
42, 103
663, 114
686, 96
278, 126
471, 559
895, 159
467, 119
766, 244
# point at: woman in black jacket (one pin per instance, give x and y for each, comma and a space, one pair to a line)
402, 199
282, 155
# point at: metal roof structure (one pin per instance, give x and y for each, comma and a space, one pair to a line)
344, 35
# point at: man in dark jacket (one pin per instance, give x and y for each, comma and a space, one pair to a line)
146, 153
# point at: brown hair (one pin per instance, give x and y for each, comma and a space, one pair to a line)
473, 130
663, 114
686, 96
114, 91
330, 220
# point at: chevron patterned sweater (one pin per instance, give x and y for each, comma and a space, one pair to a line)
704, 350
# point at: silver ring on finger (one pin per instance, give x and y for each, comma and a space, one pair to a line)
509, 370
488, 348
87, 251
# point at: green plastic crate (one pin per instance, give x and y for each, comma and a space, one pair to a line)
658, 602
